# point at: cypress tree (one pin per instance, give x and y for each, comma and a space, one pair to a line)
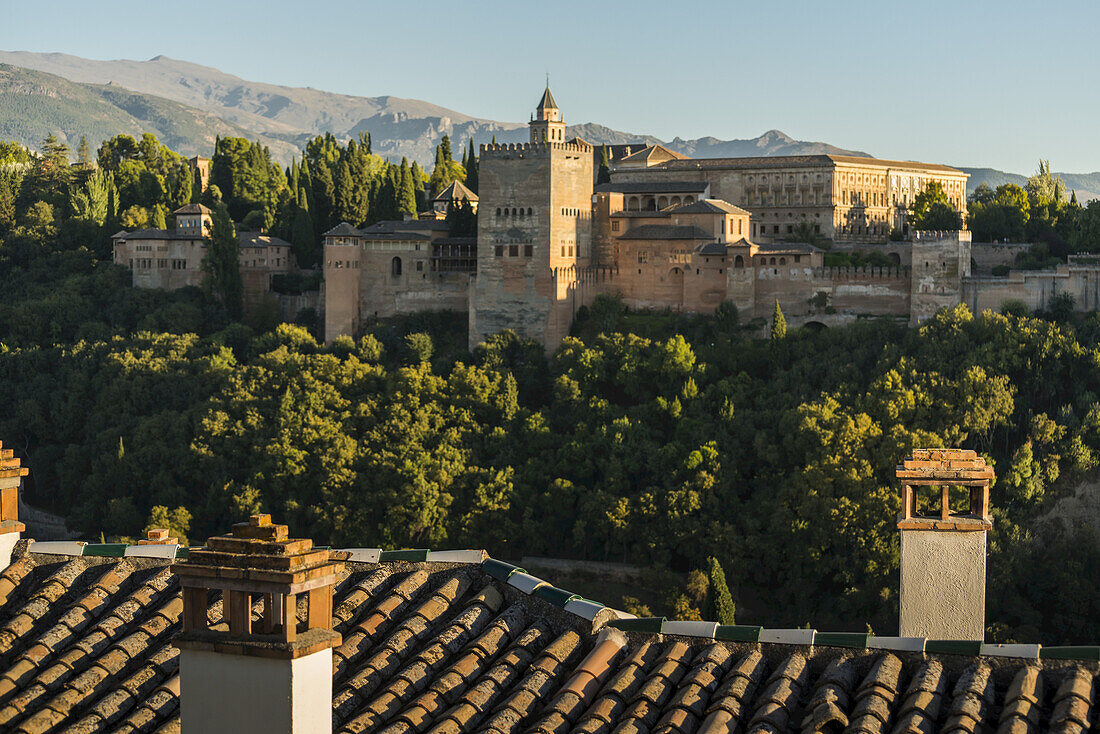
417, 175
779, 324
720, 606
604, 174
222, 265
445, 148
438, 156
471, 169
465, 158
406, 198
303, 238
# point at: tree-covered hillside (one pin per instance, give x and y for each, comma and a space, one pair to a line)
661, 440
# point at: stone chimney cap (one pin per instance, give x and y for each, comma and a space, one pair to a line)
945, 468
940, 466
158, 536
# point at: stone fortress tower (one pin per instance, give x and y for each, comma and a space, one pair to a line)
534, 233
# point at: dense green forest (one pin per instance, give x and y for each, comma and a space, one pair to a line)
660, 440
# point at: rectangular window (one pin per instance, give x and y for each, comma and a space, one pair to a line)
775, 229
528, 250
498, 250
419, 264
797, 258
513, 250
615, 226
790, 229
643, 257
570, 250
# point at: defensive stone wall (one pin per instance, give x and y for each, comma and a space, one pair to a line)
1035, 288
988, 255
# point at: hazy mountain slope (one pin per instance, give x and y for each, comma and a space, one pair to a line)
1087, 185
34, 104
398, 126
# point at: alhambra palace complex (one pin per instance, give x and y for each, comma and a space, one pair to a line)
668, 231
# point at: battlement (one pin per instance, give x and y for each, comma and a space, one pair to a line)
940, 235
508, 150
864, 274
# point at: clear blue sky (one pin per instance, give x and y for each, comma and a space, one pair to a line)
996, 84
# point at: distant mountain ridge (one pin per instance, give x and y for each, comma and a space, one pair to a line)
1087, 185
34, 104
290, 115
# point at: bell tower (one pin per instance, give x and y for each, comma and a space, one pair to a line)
547, 126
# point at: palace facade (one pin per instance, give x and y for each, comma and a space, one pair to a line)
667, 232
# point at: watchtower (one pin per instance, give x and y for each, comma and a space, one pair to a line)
943, 548
273, 676
547, 126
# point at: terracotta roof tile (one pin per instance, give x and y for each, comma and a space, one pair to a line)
448, 647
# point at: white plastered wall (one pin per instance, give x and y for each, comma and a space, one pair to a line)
942, 585
223, 693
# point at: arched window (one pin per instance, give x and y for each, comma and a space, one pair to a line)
782, 261
395, 266
529, 211
773, 261
498, 211
738, 262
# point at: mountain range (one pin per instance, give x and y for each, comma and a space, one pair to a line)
86, 96
187, 105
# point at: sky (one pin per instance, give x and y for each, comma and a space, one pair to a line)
972, 83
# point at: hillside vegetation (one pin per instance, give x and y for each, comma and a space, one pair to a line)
693, 442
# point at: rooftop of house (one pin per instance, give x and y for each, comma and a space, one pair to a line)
195, 208
455, 641
259, 239
457, 191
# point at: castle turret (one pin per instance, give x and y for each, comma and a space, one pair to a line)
547, 125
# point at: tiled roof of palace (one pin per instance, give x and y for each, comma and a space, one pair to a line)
258, 239
154, 234
654, 187
798, 160
456, 642
457, 191
194, 209
709, 206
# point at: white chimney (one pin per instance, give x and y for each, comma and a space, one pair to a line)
943, 551
271, 676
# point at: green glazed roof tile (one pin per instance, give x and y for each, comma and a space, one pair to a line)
554, 595
411, 554
737, 633
954, 647
1077, 652
857, 640
652, 625
499, 569
107, 550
